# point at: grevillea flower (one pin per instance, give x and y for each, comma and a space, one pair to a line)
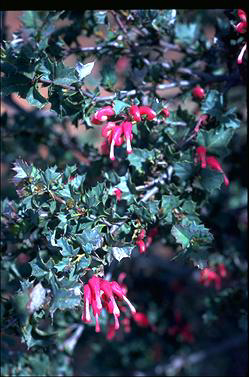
135, 113
103, 114
141, 246
118, 291
198, 92
127, 130
201, 155
87, 301
146, 110
241, 54
113, 134
151, 234
95, 289
165, 112
98, 289
141, 319
118, 194
214, 164
241, 27
207, 276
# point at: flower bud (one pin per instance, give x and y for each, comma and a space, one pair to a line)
198, 93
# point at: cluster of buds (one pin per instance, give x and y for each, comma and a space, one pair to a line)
99, 293
117, 128
184, 330
211, 161
207, 276
241, 27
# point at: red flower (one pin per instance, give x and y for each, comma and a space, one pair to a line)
118, 194
141, 319
166, 112
146, 110
201, 155
241, 27
141, 246
86, 317
99, 289
207, 276
198, 92
214, 164
241, 54
127, 130
135, 113
103, 114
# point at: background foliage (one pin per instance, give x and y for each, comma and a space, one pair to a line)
61, 219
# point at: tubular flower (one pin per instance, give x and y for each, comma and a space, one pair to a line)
113, 134
146, 110
135, 113
241, 27
103, 114
116, 134
97, 290
201, 155
214, 164
241, 54
127, 130
118, 291
86, 317
118, 194
141, 246
165, 112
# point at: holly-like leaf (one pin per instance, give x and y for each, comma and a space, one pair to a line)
120, 252
169, 202
191, 234
140, 156
215, 140
90, 239
65, 299
84, 70
64, 75
37, 297
119, 106
66, 249
15, 83
34, 98
22, 169
211, 180
184, 170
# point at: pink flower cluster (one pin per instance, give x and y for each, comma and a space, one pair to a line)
241, 27
211, 161
207, 276
119, 127
99, 293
